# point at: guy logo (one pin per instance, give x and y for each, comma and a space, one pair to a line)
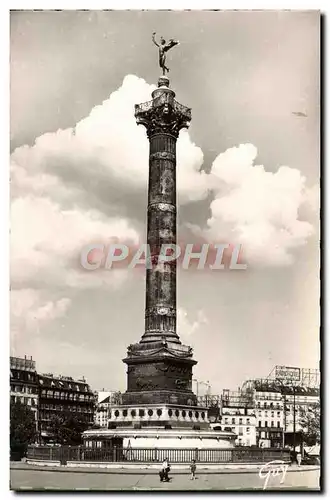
274, 468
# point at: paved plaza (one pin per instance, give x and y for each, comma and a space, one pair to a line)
64, 479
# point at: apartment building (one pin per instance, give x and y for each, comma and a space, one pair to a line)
63, 394
24, 383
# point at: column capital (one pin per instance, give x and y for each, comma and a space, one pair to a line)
163, 114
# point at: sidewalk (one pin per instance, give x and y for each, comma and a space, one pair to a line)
147, 469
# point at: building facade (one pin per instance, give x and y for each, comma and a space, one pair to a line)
238, 415
105, 401
280, 401
62, 394
266, 412
269, 408
24, 383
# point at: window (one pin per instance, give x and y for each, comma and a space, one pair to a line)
272, 414
240, 431
278, 424
170, 413
117, 413
124, 413
150, 413
232, 420
248, 430
272, 423
183, 413
266, 413
133, 413
159, 412
189, 413
177, 413
196, 414
248, 421
278, 413
266, 423
226, 420
141, 413
240, 421
202, 415
259, 423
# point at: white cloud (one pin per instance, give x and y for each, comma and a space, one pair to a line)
31, 310
46, 243
106, 145
186, 327
54, 213
256, 208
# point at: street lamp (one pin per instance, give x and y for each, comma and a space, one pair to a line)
200, 382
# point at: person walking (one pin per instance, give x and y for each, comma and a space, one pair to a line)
193, 469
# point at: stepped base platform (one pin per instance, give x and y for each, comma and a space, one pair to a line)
158, 438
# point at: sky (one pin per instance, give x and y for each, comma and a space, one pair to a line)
248, 173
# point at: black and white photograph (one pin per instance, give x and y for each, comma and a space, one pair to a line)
165, 250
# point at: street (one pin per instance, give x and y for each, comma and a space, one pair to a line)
27, 480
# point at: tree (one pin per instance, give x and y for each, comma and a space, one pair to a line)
116, 398
67, 429
22, 428
311, 425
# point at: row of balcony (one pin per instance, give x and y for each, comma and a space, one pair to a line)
66, 408
67, 396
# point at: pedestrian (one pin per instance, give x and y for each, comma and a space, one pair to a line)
193, 469
163, 473
299, 459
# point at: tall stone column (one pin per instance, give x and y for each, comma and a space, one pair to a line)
163, 118
159, 367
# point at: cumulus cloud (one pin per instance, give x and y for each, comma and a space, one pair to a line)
46, 243
31, 310
105, 147
86, 184
256, 208
75, 186
185, 326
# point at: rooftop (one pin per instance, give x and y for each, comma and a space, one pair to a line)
22, 364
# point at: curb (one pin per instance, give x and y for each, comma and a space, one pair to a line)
186, 471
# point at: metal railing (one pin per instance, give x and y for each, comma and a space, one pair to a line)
64, 454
